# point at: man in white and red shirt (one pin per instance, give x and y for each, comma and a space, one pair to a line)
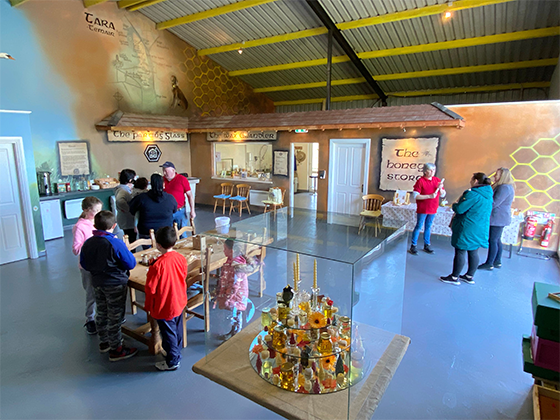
178, 186
427, 191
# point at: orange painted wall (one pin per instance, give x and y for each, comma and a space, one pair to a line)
492, 134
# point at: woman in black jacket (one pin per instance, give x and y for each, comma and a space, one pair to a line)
155, 208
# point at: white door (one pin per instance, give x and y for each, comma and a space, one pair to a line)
13, 246
348, 168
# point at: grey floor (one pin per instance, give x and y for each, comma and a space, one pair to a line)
305, 200
464, 360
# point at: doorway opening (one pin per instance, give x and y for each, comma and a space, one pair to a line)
303, 176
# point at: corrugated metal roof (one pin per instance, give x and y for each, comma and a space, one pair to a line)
288, 16
464, 98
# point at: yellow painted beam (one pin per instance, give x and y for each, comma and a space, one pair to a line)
144, 4
240, 5
310, 85
127, 3
446, 45
377, 20
296, 65
90, 3
461, 43
411, 93
416, 13
415, 74
15, 3
264, 41
470, 89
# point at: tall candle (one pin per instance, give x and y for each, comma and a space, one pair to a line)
297, 267
315, 274
295, 277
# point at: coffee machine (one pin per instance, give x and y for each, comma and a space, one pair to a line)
44, 182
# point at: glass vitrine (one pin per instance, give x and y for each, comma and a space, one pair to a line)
319, 299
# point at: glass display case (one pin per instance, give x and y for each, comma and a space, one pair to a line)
315, 303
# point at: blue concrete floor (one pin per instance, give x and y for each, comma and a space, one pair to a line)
464, 360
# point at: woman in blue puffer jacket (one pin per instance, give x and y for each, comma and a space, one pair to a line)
470, 227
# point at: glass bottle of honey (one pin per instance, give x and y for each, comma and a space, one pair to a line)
325, 345
278, 338
287, 376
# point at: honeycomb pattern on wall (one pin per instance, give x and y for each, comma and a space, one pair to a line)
214, 92
536, 172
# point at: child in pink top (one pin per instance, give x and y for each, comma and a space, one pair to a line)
233, 287
82, 231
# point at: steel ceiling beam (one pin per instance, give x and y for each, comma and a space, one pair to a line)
435, 46
360, 23
412, 93
416, 74
143, 4
240, 5
347, 48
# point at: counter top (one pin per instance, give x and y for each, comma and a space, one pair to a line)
73, 194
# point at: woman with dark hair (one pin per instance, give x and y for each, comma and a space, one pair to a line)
123, 192
155, 208
470, 227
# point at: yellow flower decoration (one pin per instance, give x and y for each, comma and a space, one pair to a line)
317, 320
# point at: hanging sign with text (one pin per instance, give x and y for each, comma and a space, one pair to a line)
241, 135
123, 135
402, 161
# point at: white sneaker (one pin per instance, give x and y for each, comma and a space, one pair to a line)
163, 366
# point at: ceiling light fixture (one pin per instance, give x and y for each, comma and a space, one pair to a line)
240, 50
448, 14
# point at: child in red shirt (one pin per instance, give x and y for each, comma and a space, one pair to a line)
166, 296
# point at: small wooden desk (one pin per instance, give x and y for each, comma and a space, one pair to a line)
229, 365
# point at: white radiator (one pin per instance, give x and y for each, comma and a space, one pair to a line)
256, 197
73, 208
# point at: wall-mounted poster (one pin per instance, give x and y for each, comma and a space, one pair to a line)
73, 157
402, 161
280, 163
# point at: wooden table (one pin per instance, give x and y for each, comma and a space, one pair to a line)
229, 366
137, 282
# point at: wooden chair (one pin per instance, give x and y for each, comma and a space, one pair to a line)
141, 242
131, 247
227, 191
191, 228
271, 204
371, 208
241, 197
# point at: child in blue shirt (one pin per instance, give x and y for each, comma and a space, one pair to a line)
108, 260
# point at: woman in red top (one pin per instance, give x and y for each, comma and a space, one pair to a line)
166, 296
427, 191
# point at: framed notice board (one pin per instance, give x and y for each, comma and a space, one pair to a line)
73, 157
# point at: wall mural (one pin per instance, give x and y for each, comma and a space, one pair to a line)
75, 66
536, 171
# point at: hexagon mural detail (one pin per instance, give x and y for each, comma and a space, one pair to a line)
524, 155
536, 172
544, 164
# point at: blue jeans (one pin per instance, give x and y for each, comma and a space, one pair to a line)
180, 218
426, 220
495, 245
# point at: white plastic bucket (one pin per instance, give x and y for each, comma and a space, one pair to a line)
222, 224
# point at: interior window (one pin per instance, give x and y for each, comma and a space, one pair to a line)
243, 160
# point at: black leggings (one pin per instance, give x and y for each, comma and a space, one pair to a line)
459, 262
495, 246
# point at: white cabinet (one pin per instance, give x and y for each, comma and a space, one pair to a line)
52, 219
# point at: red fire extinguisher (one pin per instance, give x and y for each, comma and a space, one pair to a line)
546, 234
530, 227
